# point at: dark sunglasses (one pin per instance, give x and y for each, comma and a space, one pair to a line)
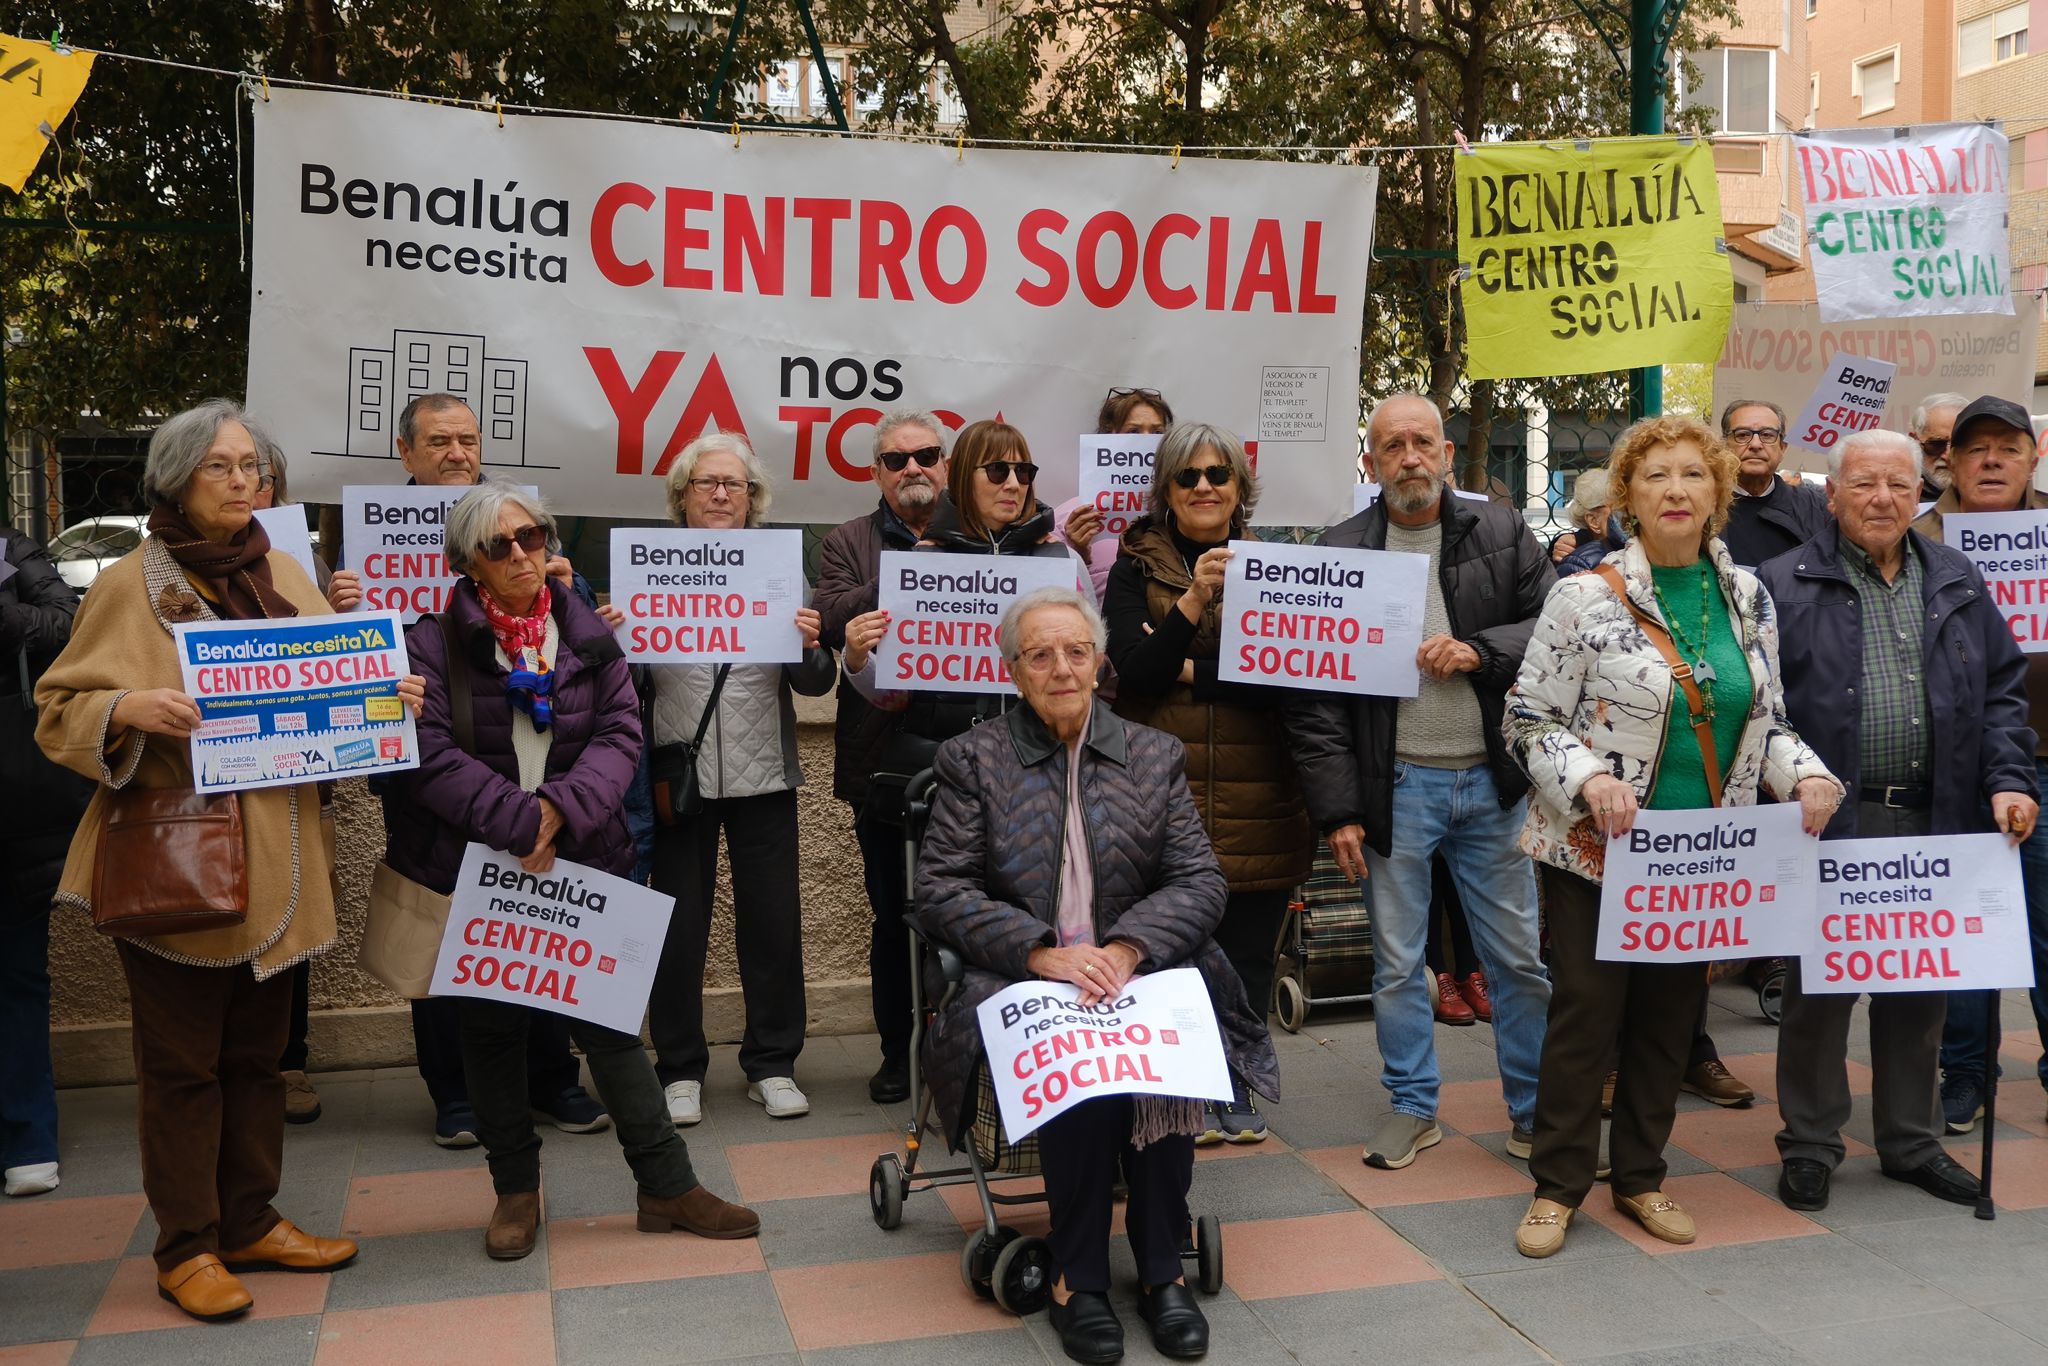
1151, 396
894, 461
1935, 447
527, 538
998, 472
1219, 476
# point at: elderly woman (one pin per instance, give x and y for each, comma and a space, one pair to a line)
1595, 530
1064, 846
747, 772
1125, 412
536, 765
210, 1007
1164, 604
1605, 726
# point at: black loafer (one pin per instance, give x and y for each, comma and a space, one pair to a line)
1803, 1183
1942, 1177
1178, 1328
1089, 1329
891, 1082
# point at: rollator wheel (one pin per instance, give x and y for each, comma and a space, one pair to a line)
978, 1259
1023, 1276
1209, 1253
887, 1185
1291, 1004
1770, 996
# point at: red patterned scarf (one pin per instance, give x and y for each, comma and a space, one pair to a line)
532, 680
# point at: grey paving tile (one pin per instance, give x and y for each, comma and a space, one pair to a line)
1474, 1237
98, 1166
413, 1268
589, 1183
1677, 1161
1798, 1283
314, 1200
1859, 1195
1977, 1261
406, 1144
1606, 1307
1320, 1120
2029, 1316
1750, 1351
1009, 1347
1235, 1332
1266, 1186
50, 1303
344, 1106
263, 1342
705, 1319
1952, 1335
1431, 1320
840, 1228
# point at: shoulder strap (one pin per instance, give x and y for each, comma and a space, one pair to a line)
1702, 728
710, 705
461, 709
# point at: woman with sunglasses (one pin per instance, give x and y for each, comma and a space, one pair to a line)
1164, 605
1125, 412
537, 766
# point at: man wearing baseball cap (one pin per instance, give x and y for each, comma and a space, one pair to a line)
1992, 454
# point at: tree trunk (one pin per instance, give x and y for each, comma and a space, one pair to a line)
949, 53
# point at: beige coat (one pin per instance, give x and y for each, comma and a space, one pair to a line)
121, 642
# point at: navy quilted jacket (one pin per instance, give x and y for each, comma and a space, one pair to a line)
995, 900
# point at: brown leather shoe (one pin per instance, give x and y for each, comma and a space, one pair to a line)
205, 1289
1607, 1085
698, 1211
1451, 1008
301, 1101
1712, 1081
515, 1225
290, 1248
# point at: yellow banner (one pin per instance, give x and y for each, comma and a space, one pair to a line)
1581, 258
38, 86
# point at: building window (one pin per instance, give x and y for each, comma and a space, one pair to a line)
1992, 38
1812, 8
1737, 83
1875, 81
1813, 100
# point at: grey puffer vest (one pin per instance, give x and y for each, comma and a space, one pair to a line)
750, 746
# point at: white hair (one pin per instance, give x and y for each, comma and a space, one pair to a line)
1010, 634
1926, 406
760, 492
1876, 441
472, 523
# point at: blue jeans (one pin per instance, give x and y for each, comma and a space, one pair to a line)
1966, 1038
28, 1093
1456, 812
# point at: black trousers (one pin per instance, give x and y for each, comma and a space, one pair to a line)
1650, 1011
881, 857
437, 1038
1250, 938
1080, 1152
761, 843
294, 1059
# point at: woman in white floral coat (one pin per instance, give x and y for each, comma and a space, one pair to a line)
1599, 721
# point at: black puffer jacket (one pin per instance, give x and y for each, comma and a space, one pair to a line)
995, 900
43, 801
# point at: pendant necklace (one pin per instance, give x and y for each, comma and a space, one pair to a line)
1701, 669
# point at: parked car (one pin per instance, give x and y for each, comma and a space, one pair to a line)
83, 549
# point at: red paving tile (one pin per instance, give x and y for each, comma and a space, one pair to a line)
1455, 1169
610, 1251
504, 1330
93, 1228
418, 1202
800, 1168
131, 1304
1737, 1138
1266, 1258
1473, 1107
2019, 1170
1727, 1213
848, 1303
1759, 1072
38, 1354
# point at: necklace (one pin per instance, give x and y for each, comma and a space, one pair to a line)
1701, 669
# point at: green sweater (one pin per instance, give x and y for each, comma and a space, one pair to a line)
1682, 777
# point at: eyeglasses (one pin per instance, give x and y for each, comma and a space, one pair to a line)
1934, 447
1219, 476
220, 471
1079, 657
998, 472
1770, 436
527, 538
894, 461
1151, 396
733, 487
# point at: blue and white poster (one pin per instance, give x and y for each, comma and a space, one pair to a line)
297, 700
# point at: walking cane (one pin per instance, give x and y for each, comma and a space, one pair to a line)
1992, 1001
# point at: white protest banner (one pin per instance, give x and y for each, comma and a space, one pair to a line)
602, 292
1047, 1053
296, 699
1850, 398
1904, 223
1303, 616
391, 536
1698, 885
286, 528
1116, 476
943, 613
1919, 914
1364, 496
1779, 353
2010, 549
571, 940
708, 597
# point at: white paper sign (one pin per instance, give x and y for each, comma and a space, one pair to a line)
1329, 620
1908, 222
286, 528
1047, 1053
1707, 884
391, 535
1919, 914
708, 597
1850, 398
571, 940
944, 610
1116, 476
2010, 549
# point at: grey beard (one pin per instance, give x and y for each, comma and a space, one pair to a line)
1401, 499
916, 495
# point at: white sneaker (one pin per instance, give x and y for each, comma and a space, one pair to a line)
779, 1096
37, 1178
685, 1102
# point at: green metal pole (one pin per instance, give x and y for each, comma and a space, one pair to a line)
1646, 71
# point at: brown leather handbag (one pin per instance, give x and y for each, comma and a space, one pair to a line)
171, 861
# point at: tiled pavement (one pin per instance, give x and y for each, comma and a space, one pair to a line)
1325, 1260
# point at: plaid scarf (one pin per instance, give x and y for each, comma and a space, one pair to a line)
531, 681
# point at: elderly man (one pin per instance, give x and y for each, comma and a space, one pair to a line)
1934, 418
1769, 516
1902, 675
1992, 454
910, 470
1393, 781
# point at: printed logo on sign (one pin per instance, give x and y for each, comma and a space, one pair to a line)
382, 380
355, 752
1767, 893
391, 747
1375, 636
1973, 924
1169, 1036
607, 963
760, 608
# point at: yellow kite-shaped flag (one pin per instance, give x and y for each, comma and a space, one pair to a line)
38, 86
